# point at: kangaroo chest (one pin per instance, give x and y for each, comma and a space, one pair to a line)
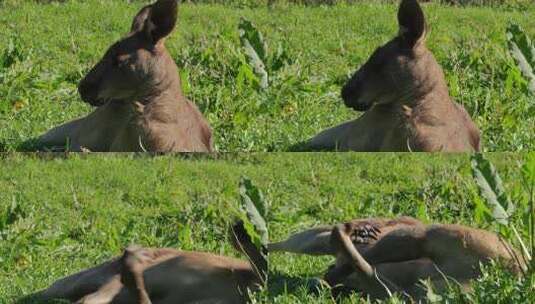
377, 131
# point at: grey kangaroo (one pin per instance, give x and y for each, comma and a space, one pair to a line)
404, 96
377, 256
136, 89
166, 276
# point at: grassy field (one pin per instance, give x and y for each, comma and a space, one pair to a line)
59, 215
46, 50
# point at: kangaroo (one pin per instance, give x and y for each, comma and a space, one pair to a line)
166, 276
402, 91
379, 256
136, 89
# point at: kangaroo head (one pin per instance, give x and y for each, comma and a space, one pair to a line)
138, 65
397, 71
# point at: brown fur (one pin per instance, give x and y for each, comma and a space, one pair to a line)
136, 88
404, 96
375, 253
166, 276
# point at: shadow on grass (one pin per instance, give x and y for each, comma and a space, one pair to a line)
34, 299
33, 145
280, 284
29, 145
303, 146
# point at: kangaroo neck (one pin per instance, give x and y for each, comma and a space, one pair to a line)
437, 92
166, 86
163, 93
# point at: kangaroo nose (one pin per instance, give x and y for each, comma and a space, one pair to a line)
83, 88
350, 94
88, 93
345, 93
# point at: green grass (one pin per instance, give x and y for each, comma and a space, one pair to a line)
59, 215
50, 47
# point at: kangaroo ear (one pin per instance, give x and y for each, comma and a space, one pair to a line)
140, 18
411, 19
162, 19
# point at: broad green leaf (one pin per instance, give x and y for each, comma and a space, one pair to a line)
255, 207
491, 188
255, 49
523, 51
481, 211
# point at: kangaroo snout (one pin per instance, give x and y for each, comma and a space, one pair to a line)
89, 86
351, 94
89, 93
348, 95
